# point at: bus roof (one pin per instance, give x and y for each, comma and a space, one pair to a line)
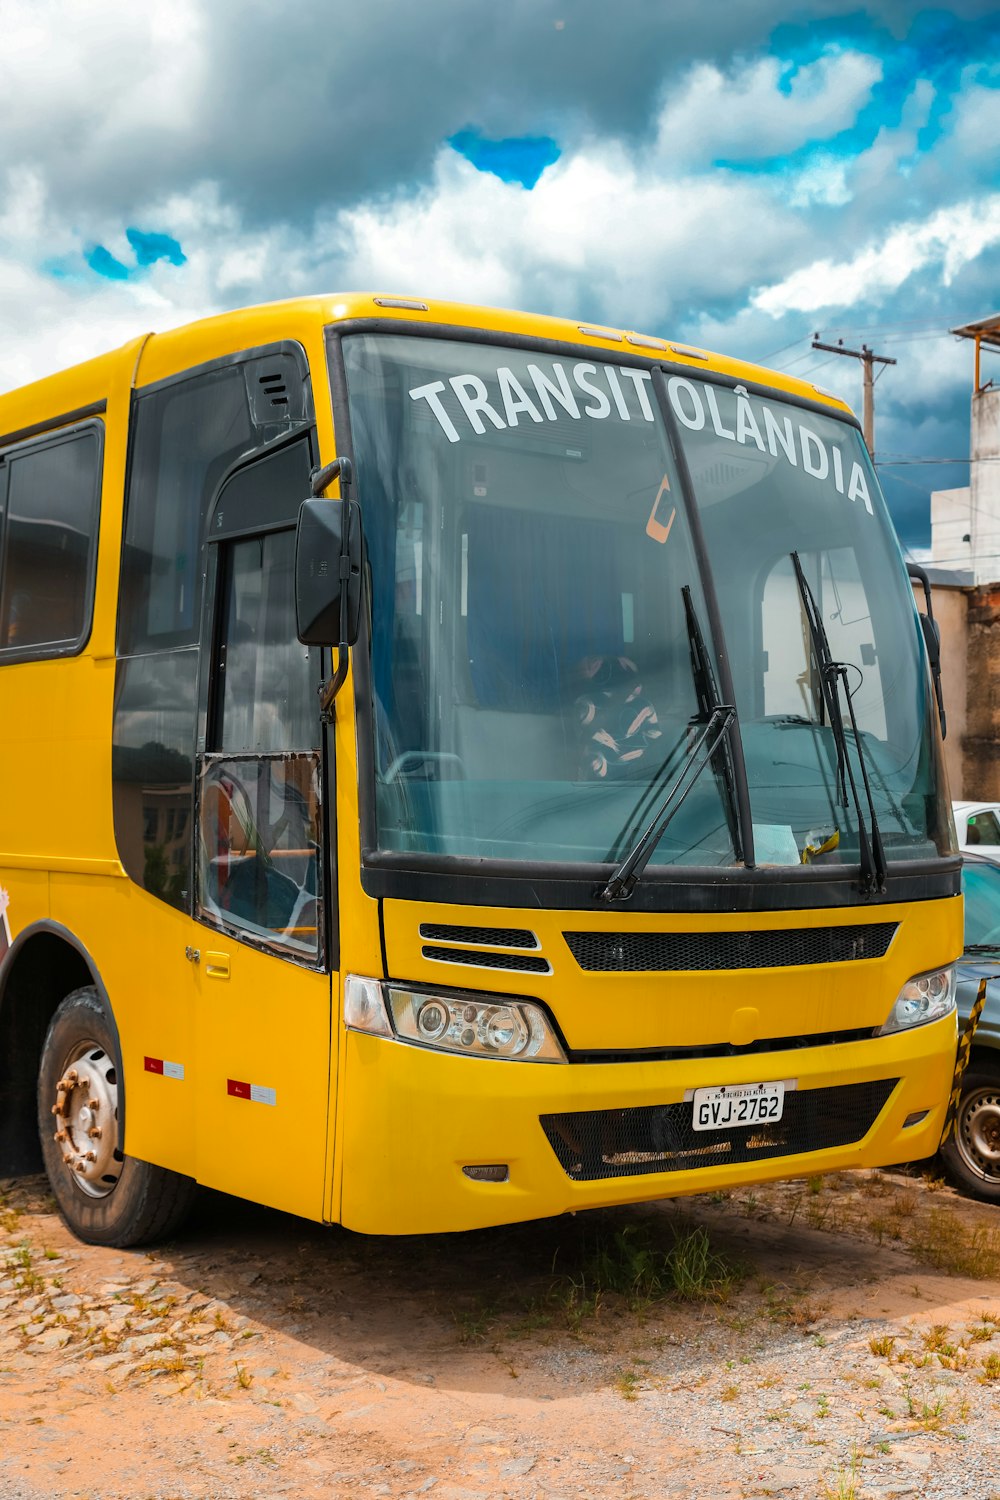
156, 356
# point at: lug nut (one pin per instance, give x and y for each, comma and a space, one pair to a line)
90, 1156
55, 1109
85, 1083
68, 1160
94, 1132
80, 1167
60, 1135
93, 1103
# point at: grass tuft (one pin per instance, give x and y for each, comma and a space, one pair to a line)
945, 1242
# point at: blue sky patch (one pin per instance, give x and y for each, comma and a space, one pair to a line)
149, 248
105, 264
519, 158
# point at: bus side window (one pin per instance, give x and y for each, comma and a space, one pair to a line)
49, 545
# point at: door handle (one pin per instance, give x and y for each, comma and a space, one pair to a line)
216, 965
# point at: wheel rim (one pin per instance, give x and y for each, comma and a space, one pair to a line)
977, 1135
86, 1120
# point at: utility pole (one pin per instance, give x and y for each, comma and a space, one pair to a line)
869, 360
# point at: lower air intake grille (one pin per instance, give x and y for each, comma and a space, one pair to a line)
523, 963
662, 951
660, 1138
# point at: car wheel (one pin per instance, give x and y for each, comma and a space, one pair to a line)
971, 1155
106, 1197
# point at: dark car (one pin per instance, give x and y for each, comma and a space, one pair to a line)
972, 1154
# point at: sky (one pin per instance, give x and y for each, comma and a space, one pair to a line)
738, 174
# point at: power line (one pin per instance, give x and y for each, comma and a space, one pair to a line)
766, 358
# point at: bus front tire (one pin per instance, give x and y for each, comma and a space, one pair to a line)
105, 1197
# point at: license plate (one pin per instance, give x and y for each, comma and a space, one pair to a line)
738, 1104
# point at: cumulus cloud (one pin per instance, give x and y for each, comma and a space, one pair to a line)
644, 166
762, 109
948, 240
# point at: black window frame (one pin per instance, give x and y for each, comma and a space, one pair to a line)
43, 441
188, 656
277, 347
217, 542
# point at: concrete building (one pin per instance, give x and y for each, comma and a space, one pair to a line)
964, 570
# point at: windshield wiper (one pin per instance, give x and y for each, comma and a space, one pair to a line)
982, 948
833, 677
709, 699
719, 755
624, 880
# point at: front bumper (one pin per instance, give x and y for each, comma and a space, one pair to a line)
413, 1118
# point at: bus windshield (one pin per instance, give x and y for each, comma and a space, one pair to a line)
543, 657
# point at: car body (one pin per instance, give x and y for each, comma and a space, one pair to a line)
972, 1154
978, 827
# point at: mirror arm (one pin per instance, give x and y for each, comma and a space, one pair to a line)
320, 479
342, 469
328, 690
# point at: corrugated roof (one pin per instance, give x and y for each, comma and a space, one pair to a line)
987, 331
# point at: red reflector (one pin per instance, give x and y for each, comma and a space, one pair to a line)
154, 1064
237, 1089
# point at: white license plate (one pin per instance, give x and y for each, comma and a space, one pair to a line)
738, 1104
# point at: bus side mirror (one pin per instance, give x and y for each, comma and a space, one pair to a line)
932, 640
931, 632
329, 553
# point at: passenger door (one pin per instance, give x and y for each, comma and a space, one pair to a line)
263, 1024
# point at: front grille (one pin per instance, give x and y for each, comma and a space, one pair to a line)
485, 937
661, 1138
523, 963
622, 952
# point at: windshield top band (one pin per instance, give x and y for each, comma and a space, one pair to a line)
624, 355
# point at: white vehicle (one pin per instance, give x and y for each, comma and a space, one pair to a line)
978, 825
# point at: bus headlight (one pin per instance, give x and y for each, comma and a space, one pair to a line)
476, 1025
925, 997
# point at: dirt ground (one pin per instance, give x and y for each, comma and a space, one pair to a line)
834, 1338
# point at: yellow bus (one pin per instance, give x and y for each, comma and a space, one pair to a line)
457, 766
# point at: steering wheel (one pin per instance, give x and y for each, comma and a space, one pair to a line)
411, 760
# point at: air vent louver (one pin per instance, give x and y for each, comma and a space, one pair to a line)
481, 937
522, 963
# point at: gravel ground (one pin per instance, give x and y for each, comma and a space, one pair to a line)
842, 1340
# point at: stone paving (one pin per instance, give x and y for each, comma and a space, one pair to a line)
262, 1356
